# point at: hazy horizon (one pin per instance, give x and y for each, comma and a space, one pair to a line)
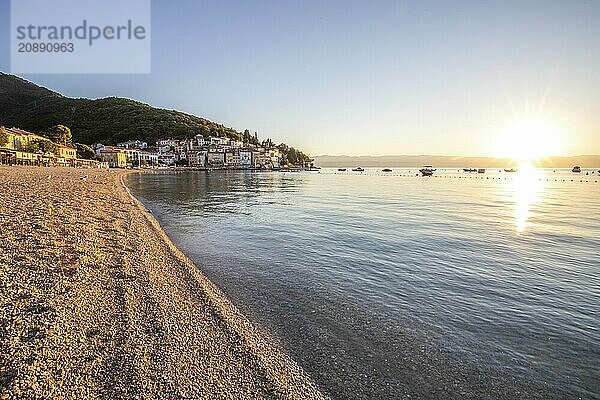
400, 161
440, 155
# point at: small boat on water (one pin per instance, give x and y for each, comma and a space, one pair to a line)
314, 169
342, 169
358, 169
481, 171
427, 170
576, 169
511, 170
469, 170
386, 170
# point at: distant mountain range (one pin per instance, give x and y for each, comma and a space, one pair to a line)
26, 105
589, 161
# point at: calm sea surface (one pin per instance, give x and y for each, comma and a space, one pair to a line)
390, 285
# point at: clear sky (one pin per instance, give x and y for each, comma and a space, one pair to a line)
371, 77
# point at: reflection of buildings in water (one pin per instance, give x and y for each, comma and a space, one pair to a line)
222, 191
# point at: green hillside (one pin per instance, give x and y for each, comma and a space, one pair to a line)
28, 106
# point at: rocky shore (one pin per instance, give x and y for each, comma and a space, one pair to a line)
96, 302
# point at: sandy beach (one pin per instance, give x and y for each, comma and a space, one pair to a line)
96, 302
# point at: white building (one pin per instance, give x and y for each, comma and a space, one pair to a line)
262, 160
255, 159
200, 141
215, 158
166, 159
245, 158
165, 142
97, 147
133, 144
196, 158
164, 149
232, 159
218, 141
148, 158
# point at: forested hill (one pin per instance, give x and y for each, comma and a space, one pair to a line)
28, 106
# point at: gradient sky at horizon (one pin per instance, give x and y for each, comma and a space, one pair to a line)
363, 77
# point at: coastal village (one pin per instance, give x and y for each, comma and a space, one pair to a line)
196, 153
199, 152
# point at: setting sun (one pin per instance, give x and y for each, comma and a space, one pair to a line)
528, 139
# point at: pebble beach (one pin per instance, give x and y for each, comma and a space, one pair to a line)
96, 302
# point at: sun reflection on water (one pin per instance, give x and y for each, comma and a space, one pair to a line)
526, 188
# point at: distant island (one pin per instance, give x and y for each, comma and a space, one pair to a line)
452, 161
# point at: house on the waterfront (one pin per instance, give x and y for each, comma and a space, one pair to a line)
196, 158
66, 152
65, 155
19, 138
19, 141
215, 159
245, 158
115, 158
133, 157
261, 159
166, 158
232, 159
147, 158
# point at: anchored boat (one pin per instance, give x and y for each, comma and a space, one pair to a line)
576, 169
427, 170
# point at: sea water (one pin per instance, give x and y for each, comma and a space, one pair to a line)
390, 285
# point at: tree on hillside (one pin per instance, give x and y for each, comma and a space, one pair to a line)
205, 131
291, 156
302, 158
84, 151
60, 134
283, 148
3, 137
267, 144
254, 139
246, 137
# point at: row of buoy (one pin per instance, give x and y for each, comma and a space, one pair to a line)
478, 177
